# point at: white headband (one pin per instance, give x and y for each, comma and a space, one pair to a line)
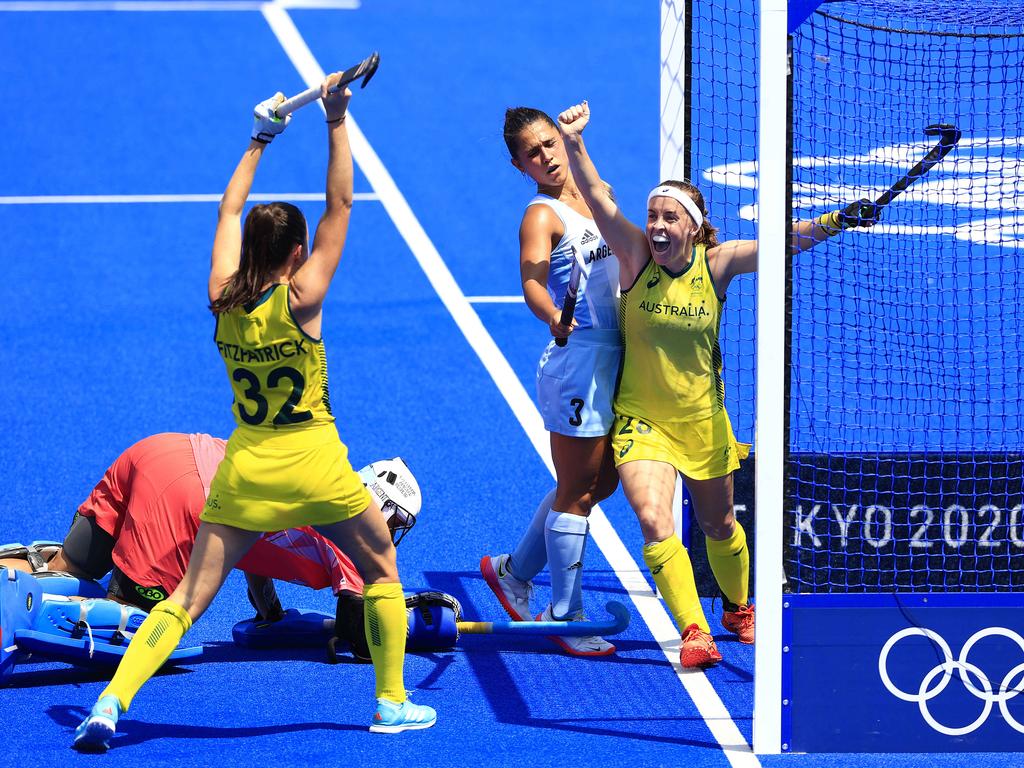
680, 197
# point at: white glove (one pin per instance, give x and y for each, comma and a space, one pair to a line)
265, 124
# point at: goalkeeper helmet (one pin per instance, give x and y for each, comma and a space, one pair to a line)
396, 492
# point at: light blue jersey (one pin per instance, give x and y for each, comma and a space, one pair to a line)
576, 383
597, 305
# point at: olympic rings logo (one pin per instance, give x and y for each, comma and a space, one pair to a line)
966, 671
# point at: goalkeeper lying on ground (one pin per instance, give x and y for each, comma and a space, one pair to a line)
140, 522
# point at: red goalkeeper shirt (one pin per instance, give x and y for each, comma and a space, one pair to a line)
149, 501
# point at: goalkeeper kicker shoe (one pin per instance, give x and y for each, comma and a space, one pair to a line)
698, 649
391, 717
513, 594
591, 645
740, 622
96, 731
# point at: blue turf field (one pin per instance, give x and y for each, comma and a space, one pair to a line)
107, 340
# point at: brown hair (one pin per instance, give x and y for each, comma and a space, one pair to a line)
518, 118
270, 233
707, 235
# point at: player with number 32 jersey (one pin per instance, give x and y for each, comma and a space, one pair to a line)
282, 464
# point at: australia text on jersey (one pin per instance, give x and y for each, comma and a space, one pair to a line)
670, 309
269, 354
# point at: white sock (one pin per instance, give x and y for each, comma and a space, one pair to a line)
566, 538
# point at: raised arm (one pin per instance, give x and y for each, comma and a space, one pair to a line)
810, 232
737, 257
227, 242
540, 227
626, 239
310, 283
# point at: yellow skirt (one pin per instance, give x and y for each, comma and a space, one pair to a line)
702, 449
272, 480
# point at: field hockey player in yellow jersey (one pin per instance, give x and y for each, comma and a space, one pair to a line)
284, 465
670, 403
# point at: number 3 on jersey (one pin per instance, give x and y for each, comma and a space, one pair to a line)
253, 393
577, 414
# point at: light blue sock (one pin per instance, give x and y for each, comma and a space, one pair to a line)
530, 555
566, 538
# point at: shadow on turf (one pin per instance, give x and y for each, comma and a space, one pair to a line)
70, 675
509, 706
140, 732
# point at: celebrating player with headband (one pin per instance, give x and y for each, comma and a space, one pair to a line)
670, 411
560, 250
285, 465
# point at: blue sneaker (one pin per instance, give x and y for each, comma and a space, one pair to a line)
96, 731
395, 718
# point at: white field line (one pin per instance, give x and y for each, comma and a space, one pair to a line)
263, 197
162, 6
704, 696
496, 299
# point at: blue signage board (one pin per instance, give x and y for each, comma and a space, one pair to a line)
903, 672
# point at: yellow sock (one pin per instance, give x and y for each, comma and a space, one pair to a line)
673, 573
152, 644
730, 562
387, 625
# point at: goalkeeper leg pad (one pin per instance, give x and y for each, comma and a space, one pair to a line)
20, 603
298, 628
86, 632
60, 583
433, 620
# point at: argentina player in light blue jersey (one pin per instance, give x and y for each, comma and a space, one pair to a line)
575, 382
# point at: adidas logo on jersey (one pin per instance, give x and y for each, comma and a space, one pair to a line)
588, 237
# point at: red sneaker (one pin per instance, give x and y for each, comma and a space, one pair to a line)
698, 649
740, 622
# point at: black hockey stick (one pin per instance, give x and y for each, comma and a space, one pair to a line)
949, 136
865, 213
569, 305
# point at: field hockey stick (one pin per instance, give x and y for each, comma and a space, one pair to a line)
617, 623
949, 136
569, 306
364, 69
864, 213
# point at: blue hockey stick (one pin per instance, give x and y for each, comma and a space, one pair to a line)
617, 623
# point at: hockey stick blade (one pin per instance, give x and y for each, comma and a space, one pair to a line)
948, 135
364, 69
618, 622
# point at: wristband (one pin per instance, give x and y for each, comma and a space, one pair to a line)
337, 119
829, 223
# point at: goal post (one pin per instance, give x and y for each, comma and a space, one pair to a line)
770, 426
879, 374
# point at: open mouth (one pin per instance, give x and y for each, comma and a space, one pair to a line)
553, 169
660, 243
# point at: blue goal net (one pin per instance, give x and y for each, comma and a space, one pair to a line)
905, 433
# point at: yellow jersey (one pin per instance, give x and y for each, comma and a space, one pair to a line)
672, 366
278, 373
